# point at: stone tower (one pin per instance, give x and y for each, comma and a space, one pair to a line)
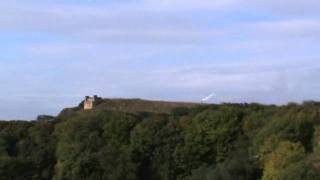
88, 103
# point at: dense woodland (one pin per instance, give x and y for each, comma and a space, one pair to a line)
204, 142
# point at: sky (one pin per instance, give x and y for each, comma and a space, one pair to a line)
55, 52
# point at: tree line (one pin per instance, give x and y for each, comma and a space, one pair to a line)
207, 142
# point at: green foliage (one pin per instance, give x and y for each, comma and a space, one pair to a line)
95, 147
281, 159
134, 139
27, 150
299, 170
208, 137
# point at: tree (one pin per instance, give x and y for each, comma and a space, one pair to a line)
286, 154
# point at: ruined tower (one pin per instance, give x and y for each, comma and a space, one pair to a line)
88, 103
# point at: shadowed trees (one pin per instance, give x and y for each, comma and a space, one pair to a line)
207, 142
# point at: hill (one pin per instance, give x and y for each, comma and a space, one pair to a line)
140, 105
130, 106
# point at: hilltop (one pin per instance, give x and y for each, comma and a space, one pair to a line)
140, 105
131, 106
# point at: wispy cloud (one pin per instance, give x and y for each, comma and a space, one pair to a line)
244, 50
302, 28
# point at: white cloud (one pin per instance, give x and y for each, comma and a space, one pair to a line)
288, 28
269, 81
105, 24
283, 7
169, 49
167, 5
126, 22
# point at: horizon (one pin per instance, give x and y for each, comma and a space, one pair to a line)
168, 101
56, 52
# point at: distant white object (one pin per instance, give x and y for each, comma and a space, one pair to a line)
88, 103
208, 98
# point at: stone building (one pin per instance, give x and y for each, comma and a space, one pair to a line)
88, 103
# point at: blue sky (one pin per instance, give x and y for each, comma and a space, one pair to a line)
54, 52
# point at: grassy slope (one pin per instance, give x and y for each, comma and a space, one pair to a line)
139, 105
129, 105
